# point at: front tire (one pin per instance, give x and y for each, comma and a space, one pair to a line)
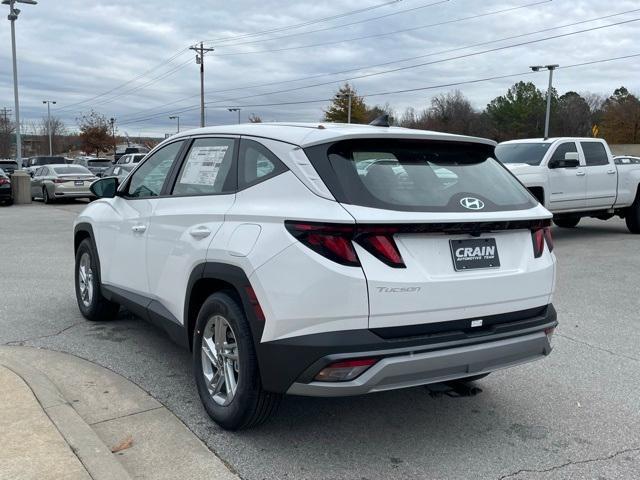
566, 222
226, 367
93, 305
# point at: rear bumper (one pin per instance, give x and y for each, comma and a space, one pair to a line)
289, 366
409, 369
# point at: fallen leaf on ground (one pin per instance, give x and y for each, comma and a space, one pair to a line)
123, 445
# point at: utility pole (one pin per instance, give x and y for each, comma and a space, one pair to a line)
235, 110
5, 113
176, 117
551, 68
49, 102
112, 122
347, 95
200, 51
13, 16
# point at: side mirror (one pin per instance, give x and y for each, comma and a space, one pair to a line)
568, 163
572, 156
105, 187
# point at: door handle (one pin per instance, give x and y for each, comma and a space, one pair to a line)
610, 172
139, 228
200, 232
580, 174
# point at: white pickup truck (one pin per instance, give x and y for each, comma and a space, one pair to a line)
575, 178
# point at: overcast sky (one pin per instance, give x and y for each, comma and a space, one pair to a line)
74, 50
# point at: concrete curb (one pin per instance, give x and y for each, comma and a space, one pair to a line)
94, 455
94, 407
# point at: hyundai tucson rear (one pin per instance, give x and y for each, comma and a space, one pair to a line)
329, 261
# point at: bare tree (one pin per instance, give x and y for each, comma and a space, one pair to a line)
7, 128
58, 130
253, 118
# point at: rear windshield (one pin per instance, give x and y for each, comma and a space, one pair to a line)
99, 163
530, 153
418, 176
48, 160
72, 170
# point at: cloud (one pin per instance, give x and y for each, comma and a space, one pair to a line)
72, 51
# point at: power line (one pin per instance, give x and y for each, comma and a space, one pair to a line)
124, 84
458, 57
303, 24
146, 84
408, 90
396, 61
335, 27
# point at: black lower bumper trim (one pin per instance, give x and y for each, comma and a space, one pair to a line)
283, 362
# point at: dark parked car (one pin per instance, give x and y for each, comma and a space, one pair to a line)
128, 150
9, 166
97, 166
6, 198
32, 163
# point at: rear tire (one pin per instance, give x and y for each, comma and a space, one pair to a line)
632, 218
566, 222
223, 329
45, 196
93, 305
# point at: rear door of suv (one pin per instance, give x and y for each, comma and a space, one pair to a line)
444, 231
200, 191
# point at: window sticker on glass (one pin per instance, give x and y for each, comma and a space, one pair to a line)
203, 165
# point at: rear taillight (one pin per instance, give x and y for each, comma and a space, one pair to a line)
541, 235
335, 241
59, 180
379, 242
4, 181
345, 370
329, 240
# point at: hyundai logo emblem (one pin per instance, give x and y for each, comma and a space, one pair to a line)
472, 203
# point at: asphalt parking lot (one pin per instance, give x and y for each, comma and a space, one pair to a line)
574, 415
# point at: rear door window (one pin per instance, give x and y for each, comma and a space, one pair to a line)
207, 168
594, 153
418, 175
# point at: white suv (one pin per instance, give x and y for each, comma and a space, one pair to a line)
322, 260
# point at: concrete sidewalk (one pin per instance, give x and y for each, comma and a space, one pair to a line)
62, 417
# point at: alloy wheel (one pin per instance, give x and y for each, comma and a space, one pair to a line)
85, 279
220, 360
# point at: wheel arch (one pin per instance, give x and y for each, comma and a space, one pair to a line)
211, 277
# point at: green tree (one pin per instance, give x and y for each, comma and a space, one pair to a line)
338, 110
621, 117
572, 116
95, 135
519, 113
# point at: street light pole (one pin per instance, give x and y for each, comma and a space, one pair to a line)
551, 68
13, 16
348, 95
235, 110
49, 102
176, 117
